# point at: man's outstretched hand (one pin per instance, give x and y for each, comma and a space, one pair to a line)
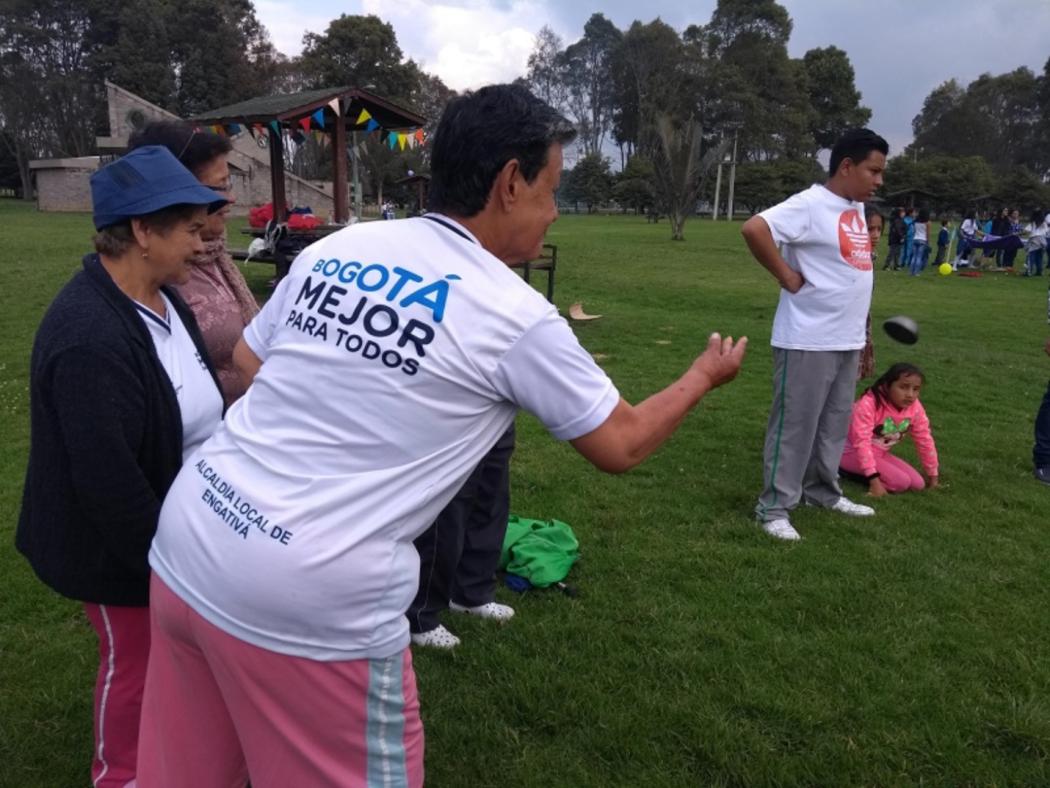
720, 362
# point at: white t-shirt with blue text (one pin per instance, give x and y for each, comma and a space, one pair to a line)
395, 354
200, 401
825, 238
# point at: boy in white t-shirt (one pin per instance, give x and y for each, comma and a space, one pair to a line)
816, 245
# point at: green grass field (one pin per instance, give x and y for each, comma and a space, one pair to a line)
908, 649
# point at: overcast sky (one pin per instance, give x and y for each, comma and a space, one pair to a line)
900, 49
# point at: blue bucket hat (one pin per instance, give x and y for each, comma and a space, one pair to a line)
143, 181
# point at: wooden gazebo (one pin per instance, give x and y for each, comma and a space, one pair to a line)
422, 184
335, 111
907, 197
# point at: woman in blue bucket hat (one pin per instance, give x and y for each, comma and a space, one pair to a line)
121, 393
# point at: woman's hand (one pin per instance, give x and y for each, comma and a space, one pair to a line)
876, 489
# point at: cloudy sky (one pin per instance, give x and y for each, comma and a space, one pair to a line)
900, 50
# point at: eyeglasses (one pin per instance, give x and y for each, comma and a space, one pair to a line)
189, 139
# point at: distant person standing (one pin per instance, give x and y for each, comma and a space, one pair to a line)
816, 245
1041, 449
1009, 255
920, 252
909, 235
1001, 227
895, 239
1034, 233
969, 232
944, 240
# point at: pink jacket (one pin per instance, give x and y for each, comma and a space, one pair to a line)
875, 429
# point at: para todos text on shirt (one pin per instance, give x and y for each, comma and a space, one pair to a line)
370, 321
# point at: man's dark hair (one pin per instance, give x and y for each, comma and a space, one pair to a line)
479, 133
856, 145
193, 147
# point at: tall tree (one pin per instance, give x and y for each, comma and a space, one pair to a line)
586, 72
1000, 118
216, 52
749, 39
360, 51
48, 99
544, 76
648, 76
833, 96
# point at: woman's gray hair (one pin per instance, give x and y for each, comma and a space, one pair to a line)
117, 239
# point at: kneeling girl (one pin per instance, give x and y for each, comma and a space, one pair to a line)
885, 413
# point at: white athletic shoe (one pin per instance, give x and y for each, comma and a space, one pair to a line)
846, 506
781, 529
493, 611
439, 637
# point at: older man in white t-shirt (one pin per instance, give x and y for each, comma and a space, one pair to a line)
815, 244
387, 363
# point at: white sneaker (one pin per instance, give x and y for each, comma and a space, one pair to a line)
439, 637
846, 506
781, 529
491, 610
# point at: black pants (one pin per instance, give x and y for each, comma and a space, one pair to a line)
459, 553
1041, 450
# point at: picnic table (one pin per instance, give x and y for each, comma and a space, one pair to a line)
286, 247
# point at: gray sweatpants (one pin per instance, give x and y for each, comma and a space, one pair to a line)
812, 399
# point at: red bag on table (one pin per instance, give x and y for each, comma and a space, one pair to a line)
260, 215
303, 221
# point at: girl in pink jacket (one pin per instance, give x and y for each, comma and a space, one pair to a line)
884, 414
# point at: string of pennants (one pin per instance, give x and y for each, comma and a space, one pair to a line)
393, 139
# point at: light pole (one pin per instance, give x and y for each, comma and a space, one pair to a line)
732, 178
718, 183
355, 174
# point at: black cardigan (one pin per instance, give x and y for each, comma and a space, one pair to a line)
105, 442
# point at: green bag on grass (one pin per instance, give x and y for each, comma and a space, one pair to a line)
541, 551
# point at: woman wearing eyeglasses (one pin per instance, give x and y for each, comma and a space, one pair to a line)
216, 291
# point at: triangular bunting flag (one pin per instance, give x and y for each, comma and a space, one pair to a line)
334, 104
275, 126
411, 140
391, 140
319, 117
419, 136
371, 125
305, 123
234, 128
402, 140
365, 115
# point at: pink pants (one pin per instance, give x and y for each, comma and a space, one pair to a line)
896, 475
218, 709
123, 649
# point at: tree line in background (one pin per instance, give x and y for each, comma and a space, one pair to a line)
985, 144
673, 104
187, 57
667, 104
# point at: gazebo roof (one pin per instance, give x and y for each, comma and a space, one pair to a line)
902, 192
289, 108
413, 179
